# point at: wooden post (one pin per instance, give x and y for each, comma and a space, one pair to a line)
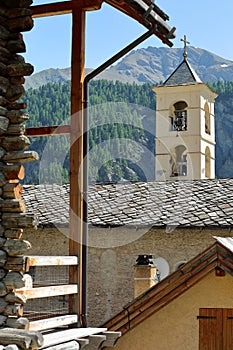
76, 155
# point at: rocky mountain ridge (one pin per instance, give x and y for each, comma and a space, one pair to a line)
148, 65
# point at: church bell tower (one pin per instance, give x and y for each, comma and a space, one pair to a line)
185, 131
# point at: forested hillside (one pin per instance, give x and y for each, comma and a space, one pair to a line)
120, 132
122, 127
224, 129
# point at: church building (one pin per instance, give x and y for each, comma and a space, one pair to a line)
172, 221
185, 133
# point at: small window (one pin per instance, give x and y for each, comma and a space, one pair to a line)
179, 161
179, 116
207, 119
207, 163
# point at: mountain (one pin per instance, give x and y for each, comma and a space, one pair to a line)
51, 75
223, 131
148, 65
46, 76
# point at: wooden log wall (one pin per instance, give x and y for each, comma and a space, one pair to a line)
15, 17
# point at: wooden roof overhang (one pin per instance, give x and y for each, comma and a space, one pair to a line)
143, 11
216, 256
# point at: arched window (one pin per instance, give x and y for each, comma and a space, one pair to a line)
207, 118
179, 116
207, 162
179, 161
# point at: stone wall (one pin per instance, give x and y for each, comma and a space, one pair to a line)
113, 253
15, 17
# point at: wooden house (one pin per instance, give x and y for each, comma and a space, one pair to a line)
190, 309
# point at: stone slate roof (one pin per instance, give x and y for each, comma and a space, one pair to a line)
198, 203
184, 74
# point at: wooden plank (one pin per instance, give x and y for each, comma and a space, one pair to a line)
35, 260
210, 329
12, 190
48, 130
58, 8
137, 14
111, 338
51, 291
83, 342
70, 345
25, 339
69, 334
22, 342
227, 329
64, 7
19, 323
15, 263
96, 341
76, 155
53, 322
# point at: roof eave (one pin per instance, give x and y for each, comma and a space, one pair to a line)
172, 287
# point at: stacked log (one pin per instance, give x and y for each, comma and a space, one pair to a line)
20, 339
15, 17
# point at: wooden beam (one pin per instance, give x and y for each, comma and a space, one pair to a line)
64, 7
52, 339
46, 292
20, 337
48, 130
50, 261
59, 8
76, 156
83, 343
52, 322
111, 338
96, 341
137, 11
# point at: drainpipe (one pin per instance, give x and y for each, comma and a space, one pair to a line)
87, 79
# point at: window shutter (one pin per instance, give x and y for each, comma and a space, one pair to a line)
228, 329
210, 329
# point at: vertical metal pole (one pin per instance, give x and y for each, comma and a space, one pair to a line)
76, 158
85, 165
85, 205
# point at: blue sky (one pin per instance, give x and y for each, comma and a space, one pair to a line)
207, 24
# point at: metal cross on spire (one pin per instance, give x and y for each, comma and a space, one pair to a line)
185, 46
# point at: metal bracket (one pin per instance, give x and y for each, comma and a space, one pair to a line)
148, 11
170, 34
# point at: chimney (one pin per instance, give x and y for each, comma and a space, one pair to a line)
144, 274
